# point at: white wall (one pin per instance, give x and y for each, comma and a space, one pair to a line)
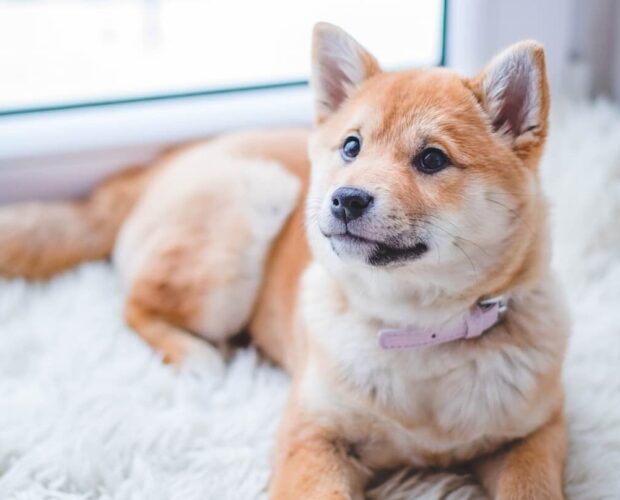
616, 60
581, 38
593, 42
480, 28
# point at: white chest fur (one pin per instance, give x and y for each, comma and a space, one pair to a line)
454, 400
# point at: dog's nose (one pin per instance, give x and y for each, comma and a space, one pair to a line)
349, 203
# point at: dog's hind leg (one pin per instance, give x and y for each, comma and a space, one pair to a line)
177, 346
193, 258
38, 240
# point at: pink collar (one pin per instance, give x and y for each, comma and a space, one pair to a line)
482, 317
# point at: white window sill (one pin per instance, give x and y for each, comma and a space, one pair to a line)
64, 153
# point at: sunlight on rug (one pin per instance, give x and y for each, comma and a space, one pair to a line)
88, 411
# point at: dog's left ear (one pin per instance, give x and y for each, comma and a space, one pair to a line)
339, 66
513, 90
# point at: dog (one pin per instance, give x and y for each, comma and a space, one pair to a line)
394, 260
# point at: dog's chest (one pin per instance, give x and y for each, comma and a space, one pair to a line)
431, 406
390, 417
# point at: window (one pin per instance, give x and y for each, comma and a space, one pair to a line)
63, 53
91, 86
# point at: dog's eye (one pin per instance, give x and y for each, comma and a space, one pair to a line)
431, 160
350, 148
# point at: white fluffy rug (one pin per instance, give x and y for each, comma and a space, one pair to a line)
87, 410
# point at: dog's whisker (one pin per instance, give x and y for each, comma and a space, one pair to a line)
471, 262
512, 211
459, 238
449, 222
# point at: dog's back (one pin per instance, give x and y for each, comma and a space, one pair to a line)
190, 236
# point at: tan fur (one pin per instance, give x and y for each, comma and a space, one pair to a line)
38, 240
171, 252
530, 468
235, 233
312, 461
174, 343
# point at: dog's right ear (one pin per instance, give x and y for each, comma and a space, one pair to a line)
339, 66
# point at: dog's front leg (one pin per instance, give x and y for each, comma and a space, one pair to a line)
313, 463
531, 468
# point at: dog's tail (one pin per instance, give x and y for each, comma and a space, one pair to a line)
38, 240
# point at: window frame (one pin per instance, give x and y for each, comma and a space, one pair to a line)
62, 150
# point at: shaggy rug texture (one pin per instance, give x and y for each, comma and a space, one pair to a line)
87, 410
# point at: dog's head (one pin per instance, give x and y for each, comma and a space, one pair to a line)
423, 169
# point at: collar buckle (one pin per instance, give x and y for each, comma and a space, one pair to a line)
497, 300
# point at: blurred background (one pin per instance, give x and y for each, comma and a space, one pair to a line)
91, 86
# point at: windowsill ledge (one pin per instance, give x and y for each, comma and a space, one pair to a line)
63, 153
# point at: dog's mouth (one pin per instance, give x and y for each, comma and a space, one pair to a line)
376, 253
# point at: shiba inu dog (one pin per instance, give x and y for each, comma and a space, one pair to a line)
395, 261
